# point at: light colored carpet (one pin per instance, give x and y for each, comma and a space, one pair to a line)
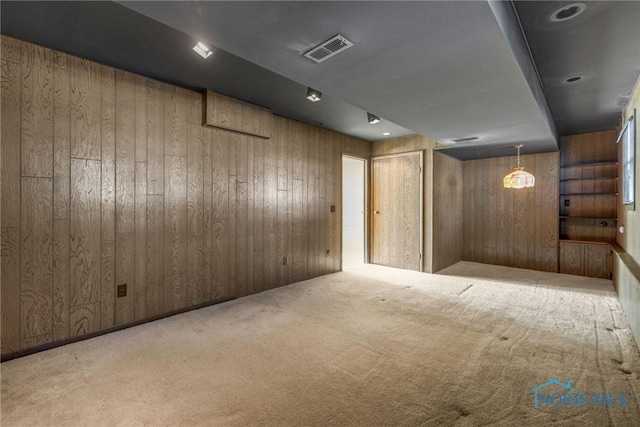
371, 346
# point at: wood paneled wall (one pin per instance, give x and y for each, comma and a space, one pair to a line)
516, 228
109, 178
404, 145
448, 212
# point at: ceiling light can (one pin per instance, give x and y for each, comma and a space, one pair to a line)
567, 12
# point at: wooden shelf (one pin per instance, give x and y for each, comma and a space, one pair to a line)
601, 178
588, 194
584, 241
587, 217
580, 164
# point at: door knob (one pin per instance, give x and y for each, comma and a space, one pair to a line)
376, 212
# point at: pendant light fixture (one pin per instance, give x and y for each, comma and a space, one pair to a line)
518, 178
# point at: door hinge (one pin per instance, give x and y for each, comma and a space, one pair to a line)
420, 256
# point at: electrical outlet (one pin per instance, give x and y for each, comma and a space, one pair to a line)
284, 260
333, 208
122, 290
328, 252
567, 202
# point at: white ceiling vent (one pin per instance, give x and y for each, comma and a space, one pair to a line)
326, 50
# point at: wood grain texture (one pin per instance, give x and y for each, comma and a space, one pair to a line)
108, 163
61, 135
221, 285
125, 125
572, 258
242, 240
227, 113
155, 255
597, 260
11, 49
404, 145
61, 270
196, 293
125, 152
85, 244
138, 192
140, 246
175, 231
155, 138
396, 216
125, 275
10, 249
36, 258
175, 121
10, 123
525, 233
195, 180
141, 120
220, 146
107, 283
233, 236
448, 211
85, 109
37, 111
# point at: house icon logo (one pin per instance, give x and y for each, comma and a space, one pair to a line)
568, 396
537, 391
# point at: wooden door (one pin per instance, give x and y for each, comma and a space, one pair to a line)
396, 224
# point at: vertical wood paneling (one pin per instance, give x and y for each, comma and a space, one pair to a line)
61, 268
233, 234
107, 283
122, 185
155, 255
10, 123
175, 232
257, 264
36, 259
448, 202
195, 210
37, 111
175, 121
207, 213
108, 204
85, 109
241, 239
85, 247
270, 213
125, 195
61, 135
141, 119
10, 277
525, 233
140, 246
155, 138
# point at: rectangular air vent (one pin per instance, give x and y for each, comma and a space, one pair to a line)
326, 50
469, 139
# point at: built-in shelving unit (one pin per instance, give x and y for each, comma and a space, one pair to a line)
588, 201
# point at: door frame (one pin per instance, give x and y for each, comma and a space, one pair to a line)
366, 190
421, 201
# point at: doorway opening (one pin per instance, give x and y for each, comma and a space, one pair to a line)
354, 212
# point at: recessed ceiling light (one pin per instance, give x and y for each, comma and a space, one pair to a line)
567, 12
313, 95
203, 50
373, 119
386, 133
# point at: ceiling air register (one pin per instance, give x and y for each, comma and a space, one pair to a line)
329, 48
